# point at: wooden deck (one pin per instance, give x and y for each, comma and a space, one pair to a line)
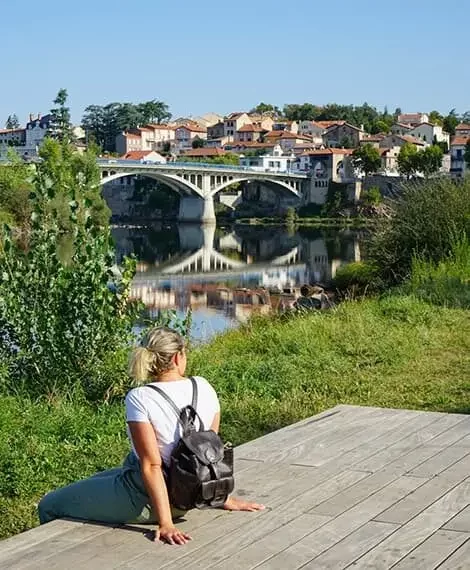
352, 487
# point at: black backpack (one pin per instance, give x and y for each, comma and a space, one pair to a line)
200, 474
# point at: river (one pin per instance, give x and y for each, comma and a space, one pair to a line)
227, 274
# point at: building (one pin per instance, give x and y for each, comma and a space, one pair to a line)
273, 162
312, 129
26, 141
400, 129
429, 133
389, 158
374, 140
338, 135
397, 140
458, 167
241, 147
413, 119
462, 130
144, 156
216, 131
291, 126
205, 152
250, 132
150, 137
286, 139
263, 121
234, 122
186, 134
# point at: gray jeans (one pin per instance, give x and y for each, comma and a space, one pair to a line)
115, 496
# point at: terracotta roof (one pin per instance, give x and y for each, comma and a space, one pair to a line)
412, 140
250, 144
286, 135
136, 154
403, 126
156, 127
233, 116
410, 117
251, 129
328, 124
344, 123
373, 138
193, 128
131, 136
210, 151
11, 131
462, 127
326, 151
459, 141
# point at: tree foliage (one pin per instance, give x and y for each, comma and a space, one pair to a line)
65, 325
103, 123
427, 161
60, 126
367, 159
267, 109
407, 160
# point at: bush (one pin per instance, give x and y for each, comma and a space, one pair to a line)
427, 219
357, 277
372, 196
66, 325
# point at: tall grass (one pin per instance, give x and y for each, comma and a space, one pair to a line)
445, 283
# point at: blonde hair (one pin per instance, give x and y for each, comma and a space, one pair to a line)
154, 356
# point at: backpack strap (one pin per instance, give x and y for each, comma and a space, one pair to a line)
194, 383
165, 396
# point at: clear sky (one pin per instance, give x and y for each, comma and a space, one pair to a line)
208, 55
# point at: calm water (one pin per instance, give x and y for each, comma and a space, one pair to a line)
227, 274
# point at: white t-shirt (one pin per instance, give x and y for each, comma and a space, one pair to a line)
146, 405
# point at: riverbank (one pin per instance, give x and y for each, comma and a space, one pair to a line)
393, 352
313, 222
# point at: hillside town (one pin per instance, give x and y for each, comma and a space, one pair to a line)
264, 141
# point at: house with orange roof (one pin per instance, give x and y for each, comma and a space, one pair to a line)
205, 152
148, 137
399, 140
430, 133
413, 119
186, 134
458, 146
250, 132
234, 122
462, 130
343, 134
286, 139
400, 129
144, 156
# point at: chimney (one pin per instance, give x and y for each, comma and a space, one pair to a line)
30, 116
39, 116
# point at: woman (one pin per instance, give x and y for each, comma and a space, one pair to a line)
136, 492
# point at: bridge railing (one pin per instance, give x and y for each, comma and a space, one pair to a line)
196, 165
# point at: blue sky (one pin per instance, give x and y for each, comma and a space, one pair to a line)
209, 55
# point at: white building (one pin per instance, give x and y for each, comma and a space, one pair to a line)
428, 133
413, 119
458, 167
275, 162
25, 141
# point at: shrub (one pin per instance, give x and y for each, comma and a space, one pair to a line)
357, 277
65, 324
372, 196
427, 219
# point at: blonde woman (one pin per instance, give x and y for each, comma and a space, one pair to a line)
137, 492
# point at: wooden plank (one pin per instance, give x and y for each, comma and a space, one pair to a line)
427, 494
433, 551
59, 544
427, 433
217, 554
352, 547
416, 531
30, 539
291, 443
339, 528
267, 546
461, 521
440, 462
459, 560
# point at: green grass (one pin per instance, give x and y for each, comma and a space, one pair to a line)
393, 352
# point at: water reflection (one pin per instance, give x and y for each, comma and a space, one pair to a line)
227, 274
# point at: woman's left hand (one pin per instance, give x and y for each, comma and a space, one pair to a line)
235, 504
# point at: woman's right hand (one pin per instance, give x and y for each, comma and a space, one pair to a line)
171, 535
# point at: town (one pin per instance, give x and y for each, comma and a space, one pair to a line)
328, 151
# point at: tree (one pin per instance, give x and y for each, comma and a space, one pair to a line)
450, 122
12, 122
408, 162
436, 118
367, 159
429, 160
266, 109
154, 112
304, 112
60, 127
198, 143
466, 154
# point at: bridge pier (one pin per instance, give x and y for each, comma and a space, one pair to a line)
193, 209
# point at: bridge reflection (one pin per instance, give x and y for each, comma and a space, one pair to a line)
235, 272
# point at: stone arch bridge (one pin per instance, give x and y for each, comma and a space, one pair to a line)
198, 183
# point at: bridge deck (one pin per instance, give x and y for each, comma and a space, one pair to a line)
351, 487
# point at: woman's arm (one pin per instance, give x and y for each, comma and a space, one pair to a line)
146, 445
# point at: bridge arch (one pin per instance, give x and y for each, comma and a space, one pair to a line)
174, 182
280, 183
